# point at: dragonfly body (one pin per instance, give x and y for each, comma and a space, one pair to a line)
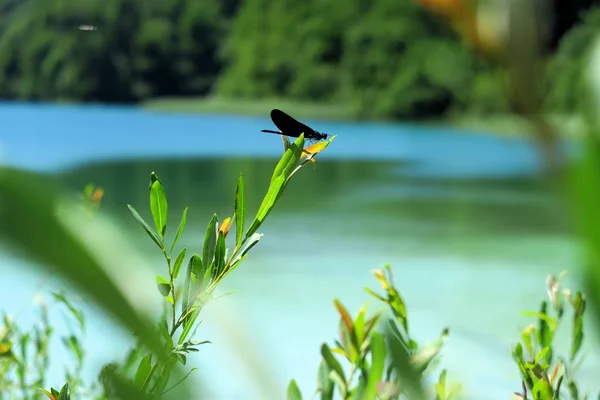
289, 126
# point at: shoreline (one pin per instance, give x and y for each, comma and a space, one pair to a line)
504, 125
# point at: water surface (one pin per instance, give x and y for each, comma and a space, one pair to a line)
470, 229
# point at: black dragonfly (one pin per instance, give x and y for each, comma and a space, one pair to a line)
289, 126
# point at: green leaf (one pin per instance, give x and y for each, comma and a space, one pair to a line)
163, 285
210, 242
378, 355
542, 390
248, 244
240, 211
180, 229
72, 344
427, 354
146, 227
440, 386
359, 326
64, 393
178, 263
293, 392
122, 387
165, 375
143, 370
409, 379
159, 207
289, 159
541, 355
60, 297
267, 204
332, 362
578, 311
219, 256
188, 286
194, 282
325, 384
199, 270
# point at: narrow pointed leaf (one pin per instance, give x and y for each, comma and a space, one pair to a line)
378, 353
219, 256
332, 362
180, 229
210, 242
267, 204
178, 263
146, 227
240, 211
250, 242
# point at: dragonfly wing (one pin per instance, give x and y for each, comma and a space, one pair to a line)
289, 125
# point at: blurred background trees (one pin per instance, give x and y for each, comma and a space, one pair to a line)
375, 58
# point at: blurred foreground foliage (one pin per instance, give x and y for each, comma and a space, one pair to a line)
381, 358
388, 59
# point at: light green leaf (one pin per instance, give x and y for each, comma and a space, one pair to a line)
293, 392
163, 285
178, 263
288, 160
248, 244
267, 204
146, 227
210, 242
378, 355
240, 211
180, 229
159, 207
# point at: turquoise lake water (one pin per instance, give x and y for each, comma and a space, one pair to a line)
468, 225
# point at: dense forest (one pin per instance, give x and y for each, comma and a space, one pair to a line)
385, 59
